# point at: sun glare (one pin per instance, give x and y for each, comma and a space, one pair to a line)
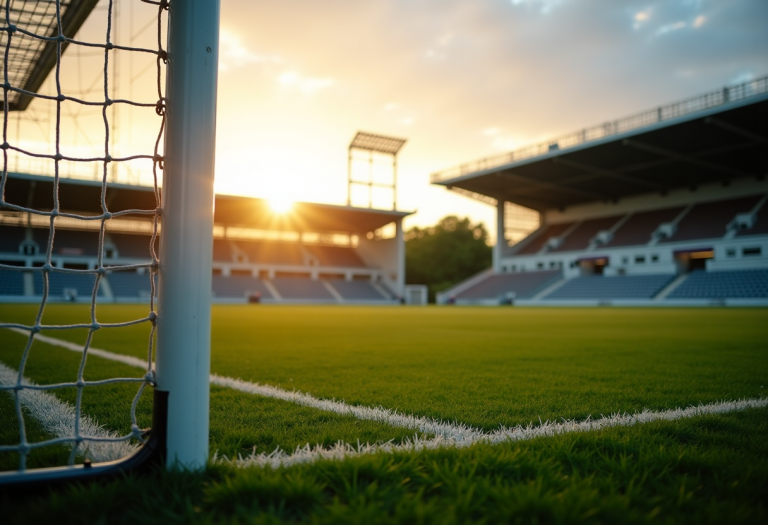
280, 205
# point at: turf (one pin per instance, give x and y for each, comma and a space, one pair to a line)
484, 367
240, 423
480, 366
711, 469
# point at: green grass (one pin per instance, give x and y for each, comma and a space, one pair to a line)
484, 367
711, 469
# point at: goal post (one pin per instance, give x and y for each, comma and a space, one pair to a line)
180, 215
186, 245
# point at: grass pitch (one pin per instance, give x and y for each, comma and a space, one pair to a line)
478, 366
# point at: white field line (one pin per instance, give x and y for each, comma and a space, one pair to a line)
457, 432
340, 451
446, 434
58, 418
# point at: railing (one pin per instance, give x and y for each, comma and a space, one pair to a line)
646, 118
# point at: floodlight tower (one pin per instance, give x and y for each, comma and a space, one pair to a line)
373, 144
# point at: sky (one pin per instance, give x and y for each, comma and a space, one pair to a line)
458, 79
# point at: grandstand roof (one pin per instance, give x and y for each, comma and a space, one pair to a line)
713, 138
30, 60
303, 216
373, 142
84, 196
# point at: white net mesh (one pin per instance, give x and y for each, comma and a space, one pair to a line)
31, 33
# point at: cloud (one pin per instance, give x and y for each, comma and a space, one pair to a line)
307, 85
545, 6
233, 54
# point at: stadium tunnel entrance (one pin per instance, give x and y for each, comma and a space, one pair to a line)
592, 265
693, 259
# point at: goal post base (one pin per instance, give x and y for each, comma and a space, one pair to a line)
151, 454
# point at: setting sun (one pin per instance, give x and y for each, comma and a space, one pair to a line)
280, 205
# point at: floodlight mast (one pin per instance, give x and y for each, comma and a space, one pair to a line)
186, 242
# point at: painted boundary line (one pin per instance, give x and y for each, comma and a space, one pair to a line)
457, 432
58, 418
340, 451
446, 434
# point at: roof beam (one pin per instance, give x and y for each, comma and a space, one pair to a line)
684, 158
737, 130
551, 186
594, 172
485, 199
71, 19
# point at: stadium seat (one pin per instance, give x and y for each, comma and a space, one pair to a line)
637, 230
301, 288
735, 284
523, 285
709, 220
357, 290
132, 245
60, 282
263, 252
10, 238
11, 282
129, 284
239, 286
581, 236
337, 256
616, 287
540, 239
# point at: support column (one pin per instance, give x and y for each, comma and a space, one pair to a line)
400, 247
500, 242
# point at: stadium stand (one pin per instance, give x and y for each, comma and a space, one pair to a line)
616, 287
132, 245
523, 285
301, 288
59, 283
539, 241
11, 282
637, 230
710, 220
10, 239
69, 242
745, 284
272, 252
239, 286
581, 236
338, 256
129, 284
357, 290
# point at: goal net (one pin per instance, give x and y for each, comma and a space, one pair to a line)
77, 145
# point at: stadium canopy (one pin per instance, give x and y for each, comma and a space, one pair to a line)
716, 137
30, 59
84, 196
379, 143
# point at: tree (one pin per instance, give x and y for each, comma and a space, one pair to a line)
446, 254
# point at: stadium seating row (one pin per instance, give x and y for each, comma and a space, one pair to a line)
86, 244
708, 220
132, 285
699, 284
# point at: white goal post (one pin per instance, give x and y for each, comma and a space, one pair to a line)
183, 220
186, 246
